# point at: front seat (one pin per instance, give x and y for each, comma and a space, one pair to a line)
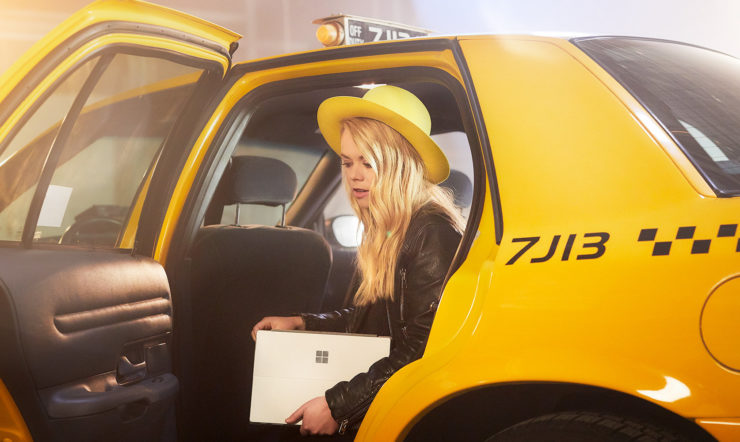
241, 273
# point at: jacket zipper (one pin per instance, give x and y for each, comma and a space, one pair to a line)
352, 418
403, 301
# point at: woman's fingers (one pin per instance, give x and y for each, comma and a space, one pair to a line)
278, 323
297, 415
316, 417
264, 324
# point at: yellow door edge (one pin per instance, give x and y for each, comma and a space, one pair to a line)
85, 51
12, 426
102, 11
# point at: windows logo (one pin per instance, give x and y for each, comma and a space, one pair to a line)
322, 357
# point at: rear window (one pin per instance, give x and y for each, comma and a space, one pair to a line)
693, 92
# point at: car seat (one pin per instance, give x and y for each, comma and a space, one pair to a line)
241, 273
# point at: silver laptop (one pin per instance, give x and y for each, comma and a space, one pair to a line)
292, 367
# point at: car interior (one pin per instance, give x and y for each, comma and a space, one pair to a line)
267, 244
269, 231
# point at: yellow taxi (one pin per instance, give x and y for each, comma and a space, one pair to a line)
156, 200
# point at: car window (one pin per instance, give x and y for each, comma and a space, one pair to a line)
457, 149
112, 146
26, 151
108, 156
693, 92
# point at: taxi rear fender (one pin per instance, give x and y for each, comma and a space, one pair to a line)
481, 412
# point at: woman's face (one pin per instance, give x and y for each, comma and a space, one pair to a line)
357, 172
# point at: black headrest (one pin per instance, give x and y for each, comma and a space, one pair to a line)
259, 180
461, 186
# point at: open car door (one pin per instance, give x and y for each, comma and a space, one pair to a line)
87, 121
267, 110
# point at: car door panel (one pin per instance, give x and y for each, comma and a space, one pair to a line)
93, 299
92, 334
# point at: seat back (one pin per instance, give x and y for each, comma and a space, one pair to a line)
239, 275
461, 186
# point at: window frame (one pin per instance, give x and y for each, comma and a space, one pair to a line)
233, 125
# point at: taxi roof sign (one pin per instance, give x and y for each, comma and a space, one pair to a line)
343, 29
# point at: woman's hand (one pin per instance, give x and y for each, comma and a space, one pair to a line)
316, 417
278, 323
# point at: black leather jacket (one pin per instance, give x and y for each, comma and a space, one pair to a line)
426, 255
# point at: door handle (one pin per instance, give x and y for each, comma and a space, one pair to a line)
128, 372
103, 393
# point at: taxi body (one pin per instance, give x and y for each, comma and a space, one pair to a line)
597, 278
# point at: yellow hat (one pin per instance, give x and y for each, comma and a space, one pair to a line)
396, 107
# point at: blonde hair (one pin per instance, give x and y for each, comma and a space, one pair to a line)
400, 190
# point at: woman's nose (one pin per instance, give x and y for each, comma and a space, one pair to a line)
355, 174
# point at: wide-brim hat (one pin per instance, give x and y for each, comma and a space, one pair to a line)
396, 107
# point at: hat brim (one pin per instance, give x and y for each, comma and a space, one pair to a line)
334, 110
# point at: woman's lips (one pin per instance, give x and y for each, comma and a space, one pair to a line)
359, 193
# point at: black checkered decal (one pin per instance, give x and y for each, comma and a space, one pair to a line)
698, 246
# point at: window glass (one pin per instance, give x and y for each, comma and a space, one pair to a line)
23, 157
693, 92
300, 159
112, 148
457, 150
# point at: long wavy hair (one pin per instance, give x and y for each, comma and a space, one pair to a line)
400, 190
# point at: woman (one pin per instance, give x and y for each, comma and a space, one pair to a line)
390, 168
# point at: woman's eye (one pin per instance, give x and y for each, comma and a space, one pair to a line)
345, 164
367, 165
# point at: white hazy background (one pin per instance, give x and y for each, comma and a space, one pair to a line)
273, 27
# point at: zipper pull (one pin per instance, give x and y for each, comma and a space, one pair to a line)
403, 287
343, 426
